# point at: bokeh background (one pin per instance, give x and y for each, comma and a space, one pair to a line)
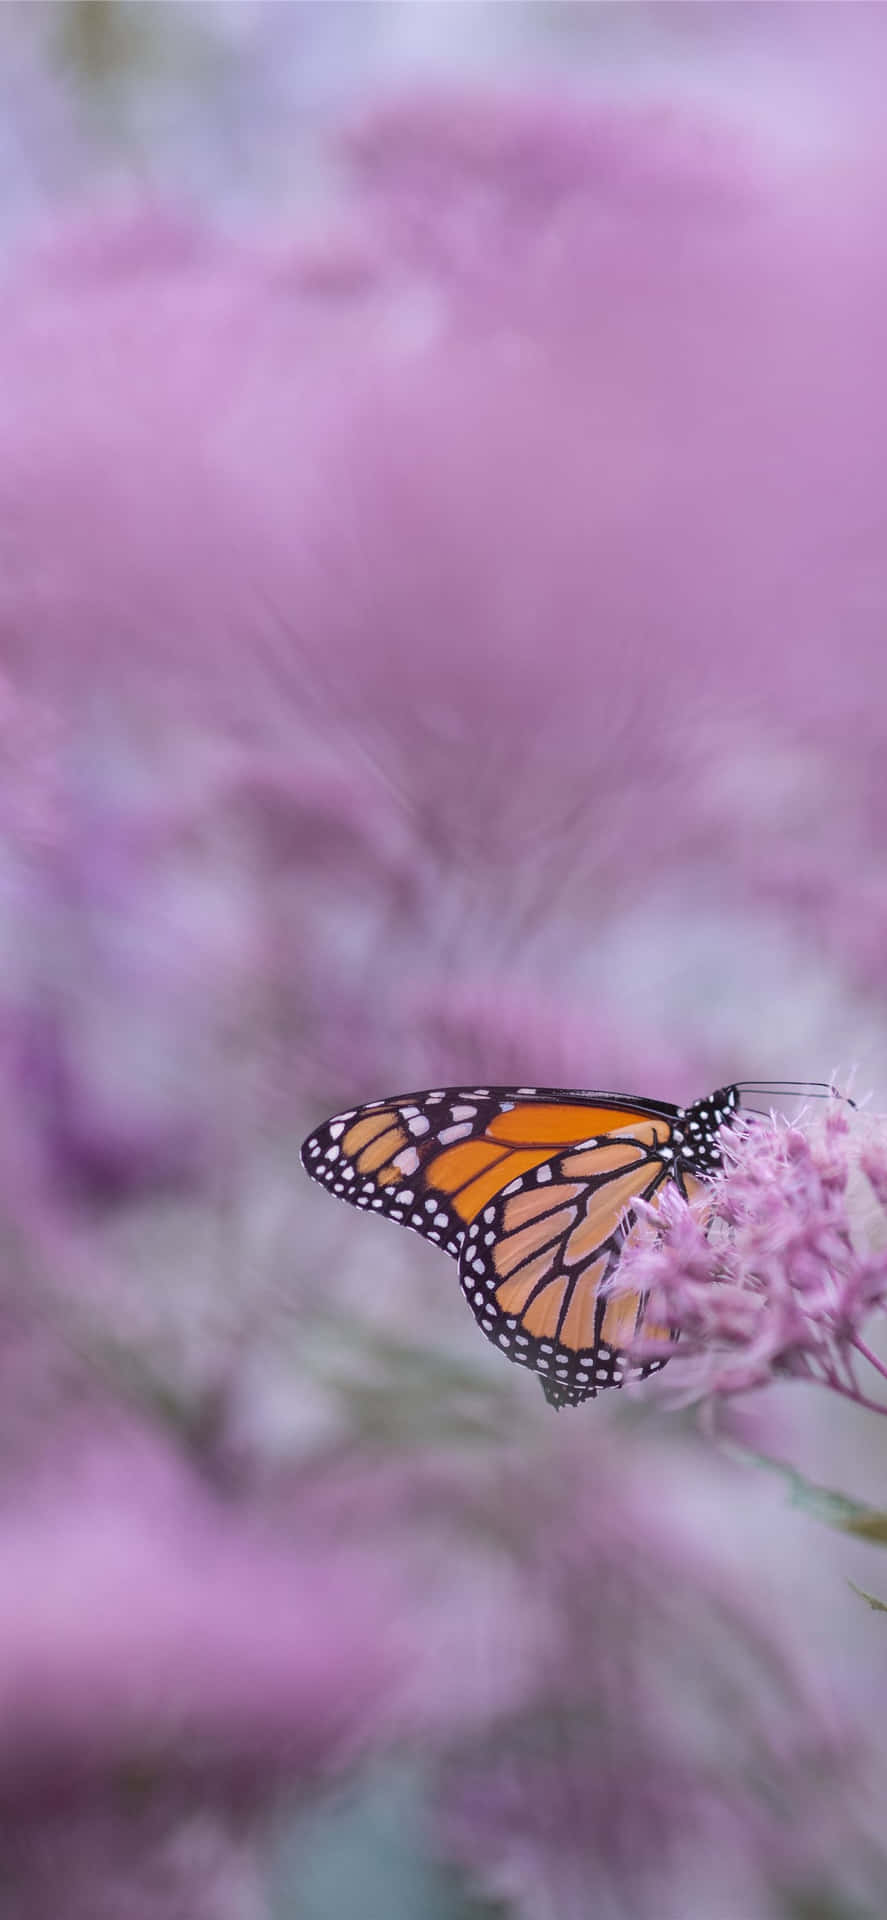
442, 605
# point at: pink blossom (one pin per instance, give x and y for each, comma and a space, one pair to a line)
169, 1664
782, 1264
175, 1635
660, 1727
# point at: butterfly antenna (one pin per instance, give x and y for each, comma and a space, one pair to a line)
799, 1089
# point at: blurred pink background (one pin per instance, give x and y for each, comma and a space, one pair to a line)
442, 604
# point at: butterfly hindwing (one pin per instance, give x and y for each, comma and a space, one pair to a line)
534, 1263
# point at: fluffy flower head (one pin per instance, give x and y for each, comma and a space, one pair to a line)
780, 1268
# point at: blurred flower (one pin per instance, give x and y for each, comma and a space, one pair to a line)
539, 675
428, 634
141, 1854
170, 1633
647, 1752
483, 195
167, 1667
779, 1268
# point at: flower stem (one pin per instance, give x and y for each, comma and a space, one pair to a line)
859, 1399
871, 1357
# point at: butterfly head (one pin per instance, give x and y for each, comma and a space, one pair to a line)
697, 1129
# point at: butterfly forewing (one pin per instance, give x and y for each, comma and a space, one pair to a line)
432, 1161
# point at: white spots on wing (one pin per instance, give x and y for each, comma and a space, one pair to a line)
435, 1096
407, 1161
337, 1127
418, 1220
543, 1174
463, 1113
505, 1106
527, 1089
420, 1124
478, 1299
522, 1340
480, 1093
489, 1216
489, 1239
406, 1197
348, 1173
513, 1186
408, 1113
430, 1206
441, 1220
332, 1153
378, 1203
454, 1133
314, 1148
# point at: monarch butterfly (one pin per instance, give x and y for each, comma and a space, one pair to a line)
533, 1190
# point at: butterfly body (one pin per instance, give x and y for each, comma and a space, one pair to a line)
534, 1192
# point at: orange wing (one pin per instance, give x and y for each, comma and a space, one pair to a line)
435, 1161
533, 1265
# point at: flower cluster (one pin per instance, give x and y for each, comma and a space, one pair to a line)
778, 1268
601, 1773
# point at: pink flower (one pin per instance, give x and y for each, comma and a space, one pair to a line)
168, 1665
782, 1264
145, 1621
668, 1717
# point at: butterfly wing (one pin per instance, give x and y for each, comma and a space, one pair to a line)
434, 1161
534, 1262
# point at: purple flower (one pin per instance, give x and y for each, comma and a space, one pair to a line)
781, 1265
169, 1665
668, 1716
